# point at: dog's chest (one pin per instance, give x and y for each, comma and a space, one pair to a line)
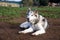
35, 27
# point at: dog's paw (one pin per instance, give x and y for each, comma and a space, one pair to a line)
35, 34
22, 32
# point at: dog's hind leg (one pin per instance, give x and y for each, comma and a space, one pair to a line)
25, 25
40, 31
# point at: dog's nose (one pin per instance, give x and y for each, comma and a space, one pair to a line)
28, 19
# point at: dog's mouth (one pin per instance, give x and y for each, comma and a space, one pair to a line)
28, 19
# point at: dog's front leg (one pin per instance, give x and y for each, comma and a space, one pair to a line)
26, 30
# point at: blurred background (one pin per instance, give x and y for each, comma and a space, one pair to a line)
22, 3
10, 9
13, 13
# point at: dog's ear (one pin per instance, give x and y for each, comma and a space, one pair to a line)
36, 11
29, 9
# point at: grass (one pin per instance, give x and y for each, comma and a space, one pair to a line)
7, 13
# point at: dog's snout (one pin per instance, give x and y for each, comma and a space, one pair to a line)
27, 18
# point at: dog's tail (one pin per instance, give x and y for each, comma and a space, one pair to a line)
45, 24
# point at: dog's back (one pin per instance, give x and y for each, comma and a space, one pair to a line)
44, 22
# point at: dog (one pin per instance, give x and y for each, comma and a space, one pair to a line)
35, 22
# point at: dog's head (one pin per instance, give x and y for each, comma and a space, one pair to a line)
32, 16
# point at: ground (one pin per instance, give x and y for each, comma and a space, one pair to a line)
9, 31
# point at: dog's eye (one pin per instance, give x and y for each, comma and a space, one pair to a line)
36, 15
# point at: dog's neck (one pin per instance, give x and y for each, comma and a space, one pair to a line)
36, 21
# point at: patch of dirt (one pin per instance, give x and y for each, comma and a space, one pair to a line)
10, 31
18, 20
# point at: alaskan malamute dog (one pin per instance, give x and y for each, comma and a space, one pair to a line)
35, 22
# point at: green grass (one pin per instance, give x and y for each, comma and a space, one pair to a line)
15, 12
